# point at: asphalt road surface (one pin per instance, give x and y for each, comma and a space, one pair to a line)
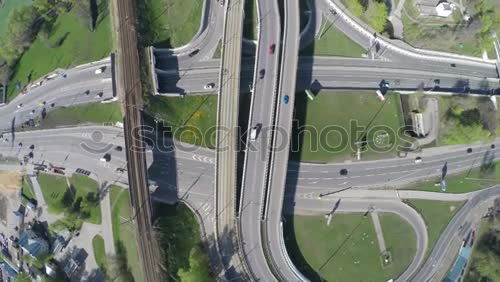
256, 162
192, 177
81, 85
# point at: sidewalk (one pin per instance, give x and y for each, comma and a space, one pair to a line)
45, 215
107, 226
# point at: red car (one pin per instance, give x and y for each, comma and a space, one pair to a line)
272, 48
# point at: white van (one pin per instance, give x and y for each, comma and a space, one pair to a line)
99, 70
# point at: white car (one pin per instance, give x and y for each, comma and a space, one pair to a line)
99, 70
209, 85
418, 160
19, 106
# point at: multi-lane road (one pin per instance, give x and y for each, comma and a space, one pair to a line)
256, 162
192, 178
70, 87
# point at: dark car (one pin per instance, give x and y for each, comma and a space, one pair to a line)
469, 150
343, 171
32, 147
286, 99
272, 48
492, 146
262, 72
194, 52
453, 65
119, 148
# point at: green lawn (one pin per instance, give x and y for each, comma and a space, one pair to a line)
79, 45
27, 189
94, 113
327, 134
332, 42
5, 8
180, 234
437, 215
83, 187
53, 189
192, 118
348, 247
100, 252
250, 21
124, 234
169, 23
468, 181
400, 241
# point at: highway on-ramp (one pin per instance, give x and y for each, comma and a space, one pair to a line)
256, 162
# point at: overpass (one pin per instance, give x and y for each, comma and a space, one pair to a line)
256, 162
227, 136
274, 246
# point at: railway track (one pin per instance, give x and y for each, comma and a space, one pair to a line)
129, 84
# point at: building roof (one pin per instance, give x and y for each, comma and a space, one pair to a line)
33, 244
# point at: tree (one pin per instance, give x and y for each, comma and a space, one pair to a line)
377, 15
198, 267
22, 277
356, 7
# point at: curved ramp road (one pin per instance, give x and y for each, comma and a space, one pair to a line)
61, 92
256, 163
309, 206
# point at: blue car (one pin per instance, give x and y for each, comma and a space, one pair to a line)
285, 99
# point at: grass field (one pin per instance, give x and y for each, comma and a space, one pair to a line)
348, 247
53, 189
400, 241
94, 113
27, 189
467, 181
192, 118
79, 45
333, 138
99, 252
250, 21
83, 187
467, 103
436, 215
170, 23
124, 233
5, 8
333, 42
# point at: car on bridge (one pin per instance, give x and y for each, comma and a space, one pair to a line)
272, 48
286, 99
262, 73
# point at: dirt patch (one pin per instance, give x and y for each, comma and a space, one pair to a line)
9, 181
